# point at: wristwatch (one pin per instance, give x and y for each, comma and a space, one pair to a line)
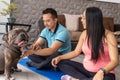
103, 70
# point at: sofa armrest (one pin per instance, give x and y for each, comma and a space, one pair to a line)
61, 20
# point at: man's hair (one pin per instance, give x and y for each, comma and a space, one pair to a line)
95, 31
51, 11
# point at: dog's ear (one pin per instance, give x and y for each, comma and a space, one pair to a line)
5, 37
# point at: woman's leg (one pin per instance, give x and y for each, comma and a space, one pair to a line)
109, 76
75, 70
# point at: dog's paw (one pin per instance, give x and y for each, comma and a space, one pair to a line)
18, 70
12, 78
15, 70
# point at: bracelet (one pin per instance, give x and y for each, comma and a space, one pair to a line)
103, 70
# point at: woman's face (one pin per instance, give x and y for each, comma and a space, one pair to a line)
83, 20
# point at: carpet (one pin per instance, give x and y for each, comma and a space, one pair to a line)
50, 74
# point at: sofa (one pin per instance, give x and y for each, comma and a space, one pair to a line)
68, 20
74, 26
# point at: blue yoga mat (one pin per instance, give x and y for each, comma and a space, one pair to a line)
50, 74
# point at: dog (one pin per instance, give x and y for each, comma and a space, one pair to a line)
11, 50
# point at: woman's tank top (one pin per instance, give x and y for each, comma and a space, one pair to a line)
103, 60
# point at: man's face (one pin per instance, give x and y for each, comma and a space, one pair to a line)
49, 21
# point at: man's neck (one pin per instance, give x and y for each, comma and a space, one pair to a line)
53, 29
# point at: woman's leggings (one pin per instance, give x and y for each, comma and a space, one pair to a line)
76, 70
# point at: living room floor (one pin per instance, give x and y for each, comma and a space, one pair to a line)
27, 74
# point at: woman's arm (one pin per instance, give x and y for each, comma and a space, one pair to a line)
113, 52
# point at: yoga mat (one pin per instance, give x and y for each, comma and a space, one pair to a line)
50, 74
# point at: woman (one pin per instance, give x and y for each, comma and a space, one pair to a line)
99, 46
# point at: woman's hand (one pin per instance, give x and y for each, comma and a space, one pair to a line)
55, 61
99, 76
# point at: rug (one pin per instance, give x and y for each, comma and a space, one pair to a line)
50, 74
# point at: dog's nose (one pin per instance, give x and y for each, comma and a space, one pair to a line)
23, 37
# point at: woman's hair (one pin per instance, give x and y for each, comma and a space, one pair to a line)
95, 31
51, 11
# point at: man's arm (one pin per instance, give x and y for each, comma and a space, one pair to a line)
48, 51
37, 44
39, 41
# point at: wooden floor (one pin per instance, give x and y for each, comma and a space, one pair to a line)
26, 74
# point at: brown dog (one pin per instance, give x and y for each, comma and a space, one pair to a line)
10, 51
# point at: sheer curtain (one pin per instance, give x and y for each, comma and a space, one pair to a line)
113, 1
2, 19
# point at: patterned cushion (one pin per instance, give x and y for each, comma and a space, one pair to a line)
72, 22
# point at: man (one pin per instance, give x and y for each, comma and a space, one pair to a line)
58, 39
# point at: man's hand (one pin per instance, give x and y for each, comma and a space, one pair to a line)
27, 53
35, 46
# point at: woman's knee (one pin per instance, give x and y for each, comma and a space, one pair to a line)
63, 62
109, 77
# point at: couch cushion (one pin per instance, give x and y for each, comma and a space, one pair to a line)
72, 22
107, 21
74, 35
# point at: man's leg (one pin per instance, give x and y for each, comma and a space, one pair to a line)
46, 64
35, 60
41, 62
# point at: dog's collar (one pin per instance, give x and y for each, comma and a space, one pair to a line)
16, 50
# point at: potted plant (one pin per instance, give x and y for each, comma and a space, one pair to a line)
11, 8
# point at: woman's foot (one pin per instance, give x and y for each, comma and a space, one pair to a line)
67, 77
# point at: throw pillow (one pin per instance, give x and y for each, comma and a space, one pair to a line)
72, 22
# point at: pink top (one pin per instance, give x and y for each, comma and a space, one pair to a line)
103, 60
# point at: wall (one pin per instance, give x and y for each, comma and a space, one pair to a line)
30, 10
